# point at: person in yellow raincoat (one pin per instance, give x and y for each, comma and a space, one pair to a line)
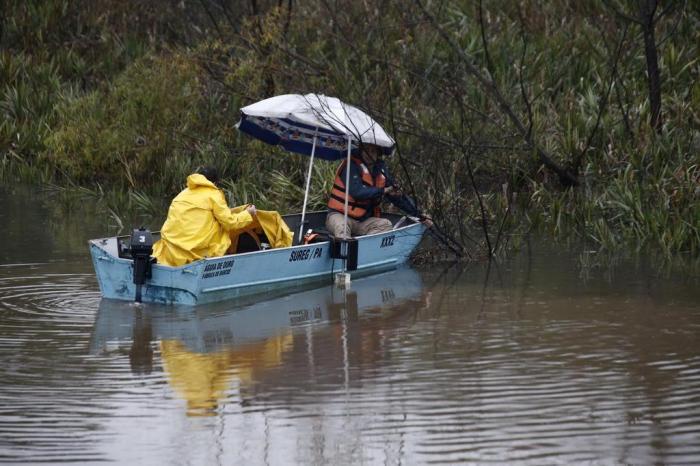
199, 221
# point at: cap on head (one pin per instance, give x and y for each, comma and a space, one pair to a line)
210, 173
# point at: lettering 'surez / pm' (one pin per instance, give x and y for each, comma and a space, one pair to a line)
305, 254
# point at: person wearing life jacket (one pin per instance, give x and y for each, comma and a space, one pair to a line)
370, 181
199, 221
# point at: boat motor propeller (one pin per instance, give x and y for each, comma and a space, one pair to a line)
141, 250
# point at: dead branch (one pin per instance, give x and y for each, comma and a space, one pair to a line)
603, 103
566, 178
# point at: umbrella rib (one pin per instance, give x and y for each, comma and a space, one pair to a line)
355, 130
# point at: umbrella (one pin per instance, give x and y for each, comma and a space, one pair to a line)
294, 121
314, 125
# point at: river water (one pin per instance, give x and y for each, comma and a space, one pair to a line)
527, 362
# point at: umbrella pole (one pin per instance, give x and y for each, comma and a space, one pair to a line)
343, 278
308, 184
347, 190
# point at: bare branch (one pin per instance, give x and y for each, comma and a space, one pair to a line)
674, 28
484, 219
211, 18
623, 110
227, 13
603, 103
523, 92
566, 178
621, 14
287, 19
500, 229
482, 27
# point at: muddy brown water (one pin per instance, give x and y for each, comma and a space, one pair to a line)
529, 362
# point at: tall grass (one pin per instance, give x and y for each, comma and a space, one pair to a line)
129, 112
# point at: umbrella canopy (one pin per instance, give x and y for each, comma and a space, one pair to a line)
292, 121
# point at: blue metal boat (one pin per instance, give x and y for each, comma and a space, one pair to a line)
232, 276
313, 125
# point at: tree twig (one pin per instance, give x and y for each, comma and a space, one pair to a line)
523, 92
566, 178
603, 103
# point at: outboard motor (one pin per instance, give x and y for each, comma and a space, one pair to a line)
141, 250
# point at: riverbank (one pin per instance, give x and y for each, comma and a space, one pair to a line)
579, 145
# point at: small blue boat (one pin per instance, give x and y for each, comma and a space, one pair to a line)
236, 275
313, 125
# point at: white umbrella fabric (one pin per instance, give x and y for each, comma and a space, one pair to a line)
295, 121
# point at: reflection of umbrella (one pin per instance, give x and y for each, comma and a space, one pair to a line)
314, 125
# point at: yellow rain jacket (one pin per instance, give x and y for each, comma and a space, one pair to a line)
268, 221
198, 224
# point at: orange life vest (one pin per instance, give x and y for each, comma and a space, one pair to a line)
356, 208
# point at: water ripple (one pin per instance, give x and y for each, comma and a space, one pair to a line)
442, 376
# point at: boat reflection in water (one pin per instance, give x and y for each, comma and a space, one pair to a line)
210, 353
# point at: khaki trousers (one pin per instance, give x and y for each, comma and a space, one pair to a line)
334, 225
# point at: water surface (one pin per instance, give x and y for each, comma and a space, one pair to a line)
530, 362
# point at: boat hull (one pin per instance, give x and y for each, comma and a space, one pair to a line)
239, 323
237, 275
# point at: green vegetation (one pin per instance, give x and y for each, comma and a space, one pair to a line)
579, 119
